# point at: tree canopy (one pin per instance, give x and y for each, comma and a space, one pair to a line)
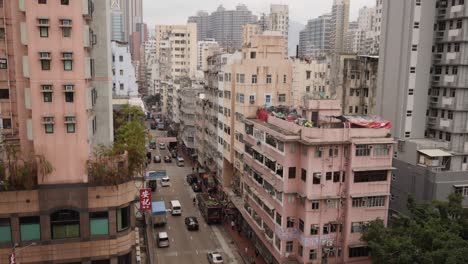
435, 232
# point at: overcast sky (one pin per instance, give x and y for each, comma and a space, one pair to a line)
177, 11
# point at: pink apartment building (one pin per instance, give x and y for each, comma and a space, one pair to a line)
55, 100
310, 187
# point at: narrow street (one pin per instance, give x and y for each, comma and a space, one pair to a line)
186, 246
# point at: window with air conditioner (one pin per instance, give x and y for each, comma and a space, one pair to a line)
48, 122
67, 59
70, 122
66, 24
44, 57
47, 93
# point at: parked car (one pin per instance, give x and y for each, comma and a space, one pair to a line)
157, 159
167, 159
153, 144
162, 146
196, 187
153, 126
214, 257
163, 240
190, 178
191, 223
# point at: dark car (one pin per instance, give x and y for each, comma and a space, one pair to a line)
153, 126
167, 159
157, 159
191, 222
190, 178
196, 187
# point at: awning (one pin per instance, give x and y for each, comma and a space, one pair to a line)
434, 152
460, 185
368, 194
374, 168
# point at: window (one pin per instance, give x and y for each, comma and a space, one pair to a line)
45, 60
253, 54
370, 201
301, 225
47, 93
358, 227
65, 2
5, 230
48, 122
308, 73
410, 91
3, 63
454, 70
370, 176
121, 72
99, 223
254, 78
333, 203
292, 173
315, 205
414, 47
43, 30
282, 98
67, 58
6, 123
30, 228
69, 93
289, 246
459, 23
463, 190
416, 25
65, 224
300, 250
65, 24
328, 176
268, 78
448, 136
285, 78
382, 149
121, 86
4, 93
412, 69
123, 218
312, 254
359, 252
316, 178
303, 175
456, 47
120, 58
363, 150
2, 33
267, 99
450, 115
70, 122
278, 218
290, 222
42, 2
336, 176
314, 230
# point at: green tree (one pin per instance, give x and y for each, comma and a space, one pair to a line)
432, 233
131, 137
127, 113
153, 99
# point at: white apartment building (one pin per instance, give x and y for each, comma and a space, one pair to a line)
123, 72
182, 41
205, 48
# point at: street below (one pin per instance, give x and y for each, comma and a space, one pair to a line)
185, 246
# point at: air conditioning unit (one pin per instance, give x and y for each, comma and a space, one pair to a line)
44, 55
370, 147
320, 148
318, 175
259, 142
68, 88
66, 22
329, 243
328, 200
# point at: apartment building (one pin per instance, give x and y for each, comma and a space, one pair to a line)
225, 26
205, 49
339, 22
359, 84
310, 79
56, 66
425, 62
276, 20
188, 97
311, 186
123, 73
182, 42
314, 39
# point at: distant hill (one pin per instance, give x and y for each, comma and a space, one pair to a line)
294, 29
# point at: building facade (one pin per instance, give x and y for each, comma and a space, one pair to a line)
225, 26
314, 39
123, 73
205, 49
431, 158
306, 188
310, 79
339, 22
57, 67
181, 40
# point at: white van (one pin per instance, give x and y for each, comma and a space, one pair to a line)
176, 208
165, 182
163, 239
180, 161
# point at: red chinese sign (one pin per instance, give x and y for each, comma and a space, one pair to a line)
13, 257
145, 199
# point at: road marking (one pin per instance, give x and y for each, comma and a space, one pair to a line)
169, 227
191, 238
172, 239
196, 251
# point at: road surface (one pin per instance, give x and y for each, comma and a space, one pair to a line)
186, 246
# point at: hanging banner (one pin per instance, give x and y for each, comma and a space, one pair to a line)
145, 199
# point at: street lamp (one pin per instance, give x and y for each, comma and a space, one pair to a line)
15, 252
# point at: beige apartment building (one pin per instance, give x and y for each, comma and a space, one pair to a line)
182, 42
311, 79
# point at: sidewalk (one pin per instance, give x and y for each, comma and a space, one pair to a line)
243, 242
